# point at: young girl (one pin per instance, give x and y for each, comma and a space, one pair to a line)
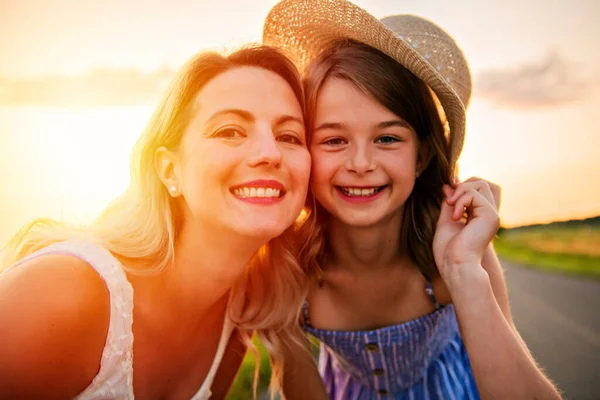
217, 178
410, 300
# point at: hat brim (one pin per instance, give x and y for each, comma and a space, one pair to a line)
304, 29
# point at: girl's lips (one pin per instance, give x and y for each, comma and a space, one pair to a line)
360, 199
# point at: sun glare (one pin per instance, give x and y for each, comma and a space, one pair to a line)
66, 163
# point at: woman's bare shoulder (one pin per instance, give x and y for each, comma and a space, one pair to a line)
54, 317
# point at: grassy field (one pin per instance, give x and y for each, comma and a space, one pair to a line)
242, 388
572, 247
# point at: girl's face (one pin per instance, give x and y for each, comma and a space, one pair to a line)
244, 165
365, 158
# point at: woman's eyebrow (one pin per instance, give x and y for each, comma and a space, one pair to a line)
288, 118
245, 115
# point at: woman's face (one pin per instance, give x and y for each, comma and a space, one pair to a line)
365, 158
244, 165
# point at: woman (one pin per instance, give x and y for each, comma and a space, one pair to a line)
182, 260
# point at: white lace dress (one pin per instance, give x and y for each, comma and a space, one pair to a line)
115, 378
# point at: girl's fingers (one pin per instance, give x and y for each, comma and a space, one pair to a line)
479, 186
474, 202
448, 190
495, 189
464, 187
446, 210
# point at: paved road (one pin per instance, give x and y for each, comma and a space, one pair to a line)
559, 319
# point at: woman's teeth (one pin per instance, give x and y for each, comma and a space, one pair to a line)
247, 192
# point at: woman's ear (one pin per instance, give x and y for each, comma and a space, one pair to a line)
165, 163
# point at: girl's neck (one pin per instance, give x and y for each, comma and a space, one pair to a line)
364, 248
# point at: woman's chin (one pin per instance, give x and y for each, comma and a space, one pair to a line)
262, 233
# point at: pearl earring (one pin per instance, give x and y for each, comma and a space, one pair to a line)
172, 189
417, 174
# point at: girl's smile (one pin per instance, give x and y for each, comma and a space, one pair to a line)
365, 157
361, 195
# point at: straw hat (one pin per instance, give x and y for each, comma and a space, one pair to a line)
304, 28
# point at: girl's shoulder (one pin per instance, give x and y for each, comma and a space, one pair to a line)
54, 320
440, 291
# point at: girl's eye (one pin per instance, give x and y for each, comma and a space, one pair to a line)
229, 133
334, 141
289, 138
387, 139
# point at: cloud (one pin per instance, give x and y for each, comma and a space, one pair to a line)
547, 83
102, 87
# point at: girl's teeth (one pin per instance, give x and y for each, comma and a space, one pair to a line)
256, 192
359, 191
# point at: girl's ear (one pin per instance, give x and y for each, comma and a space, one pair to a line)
165, 163
424, 157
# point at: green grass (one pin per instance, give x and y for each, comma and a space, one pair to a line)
572, 250
242, 388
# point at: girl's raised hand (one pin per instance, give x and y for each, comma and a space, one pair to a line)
482, 186
468, 221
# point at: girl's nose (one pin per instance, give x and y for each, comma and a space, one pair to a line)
361, 161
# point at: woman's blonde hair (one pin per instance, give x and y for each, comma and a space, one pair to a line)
141, 225
393, 86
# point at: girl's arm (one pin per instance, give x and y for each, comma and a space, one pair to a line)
54, 316
502, 366
492, 266
490, 261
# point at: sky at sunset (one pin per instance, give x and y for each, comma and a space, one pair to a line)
79, 79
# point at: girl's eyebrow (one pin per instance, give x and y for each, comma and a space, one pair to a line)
381, 125
394, 122
330, 125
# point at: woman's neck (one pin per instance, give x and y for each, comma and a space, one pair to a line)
365, 248
206, 266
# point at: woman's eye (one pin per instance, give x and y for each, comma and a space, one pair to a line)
229, 133
289, 138
387, 139
334, 142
